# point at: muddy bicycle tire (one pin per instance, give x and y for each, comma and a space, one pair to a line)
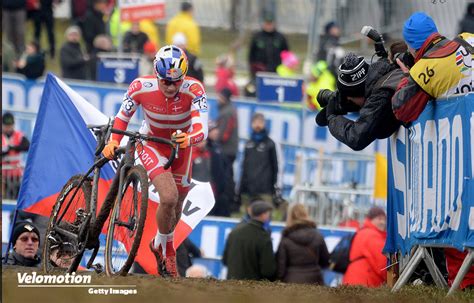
69, 221
127, 222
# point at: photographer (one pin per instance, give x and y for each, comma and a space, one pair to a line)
366, 90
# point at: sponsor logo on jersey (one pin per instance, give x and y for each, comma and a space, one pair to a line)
196, 89
154, 108
134, 87
148, 84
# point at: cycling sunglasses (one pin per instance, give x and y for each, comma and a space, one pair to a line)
169, 83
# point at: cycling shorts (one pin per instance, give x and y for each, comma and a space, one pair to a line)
154, 156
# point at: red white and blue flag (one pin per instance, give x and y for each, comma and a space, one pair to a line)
62, 146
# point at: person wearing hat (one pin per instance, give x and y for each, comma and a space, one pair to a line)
14, 143
266, 47
72, 59
248, 252
330, 50
442, 67
364, 89
26, 240
367, 262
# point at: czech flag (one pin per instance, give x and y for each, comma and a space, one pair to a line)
62, 147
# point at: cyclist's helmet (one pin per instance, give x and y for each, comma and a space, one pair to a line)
170, 63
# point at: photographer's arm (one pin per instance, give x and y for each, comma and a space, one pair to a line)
360, 133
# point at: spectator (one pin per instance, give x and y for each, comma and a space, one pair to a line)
367, 262
225, 69
116, 25
31, 63
94, 24
201, 158
185, 254
102, 44
363, 89
467, 23
329, 47
248, 252
320, 78
14, 143
26, 240
228, 139
45, 15
134, 40
151, 30
289, 64
426, 80
194, 64
265, 48
78, 11
260, 164
184, 23
146, 61
72, 60
14, 22
219, 174
302, 251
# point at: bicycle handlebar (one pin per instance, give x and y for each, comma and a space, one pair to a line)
99, 130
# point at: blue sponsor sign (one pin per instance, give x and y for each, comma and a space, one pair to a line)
430, 185
117, 68
273, 88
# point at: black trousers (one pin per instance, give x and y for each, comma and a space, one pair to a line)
44, 16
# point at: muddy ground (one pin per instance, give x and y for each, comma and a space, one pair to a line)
154, 289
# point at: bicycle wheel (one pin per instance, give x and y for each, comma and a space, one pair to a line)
126, 223
66, 231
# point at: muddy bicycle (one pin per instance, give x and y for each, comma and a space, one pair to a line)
74, 227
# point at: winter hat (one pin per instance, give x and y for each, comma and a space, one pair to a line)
374, 212
179, 39
289, 59
259, 207
22, 227
417, 29
329, 25
8, 119
352, 75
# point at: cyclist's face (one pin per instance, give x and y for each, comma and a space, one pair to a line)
169, 88
27, 245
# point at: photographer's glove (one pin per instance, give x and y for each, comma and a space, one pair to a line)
109, 149
321, 119
181, 138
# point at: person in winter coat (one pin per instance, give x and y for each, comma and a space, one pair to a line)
265, 48
25, 240
366, 90
94, 24
225, 70
367, 262
259, 166
31, 64
184, 23
248, 252
302, 252
72, 60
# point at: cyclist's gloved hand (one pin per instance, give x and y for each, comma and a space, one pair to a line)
181, 138
109, 149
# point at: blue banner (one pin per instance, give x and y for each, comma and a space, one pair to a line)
430, 185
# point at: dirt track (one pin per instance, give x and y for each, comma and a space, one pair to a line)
152, 289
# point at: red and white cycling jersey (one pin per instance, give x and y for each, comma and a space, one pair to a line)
187, 112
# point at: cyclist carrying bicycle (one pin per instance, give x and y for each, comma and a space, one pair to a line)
175, 107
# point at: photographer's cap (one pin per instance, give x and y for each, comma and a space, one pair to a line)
417, 29
352, 75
